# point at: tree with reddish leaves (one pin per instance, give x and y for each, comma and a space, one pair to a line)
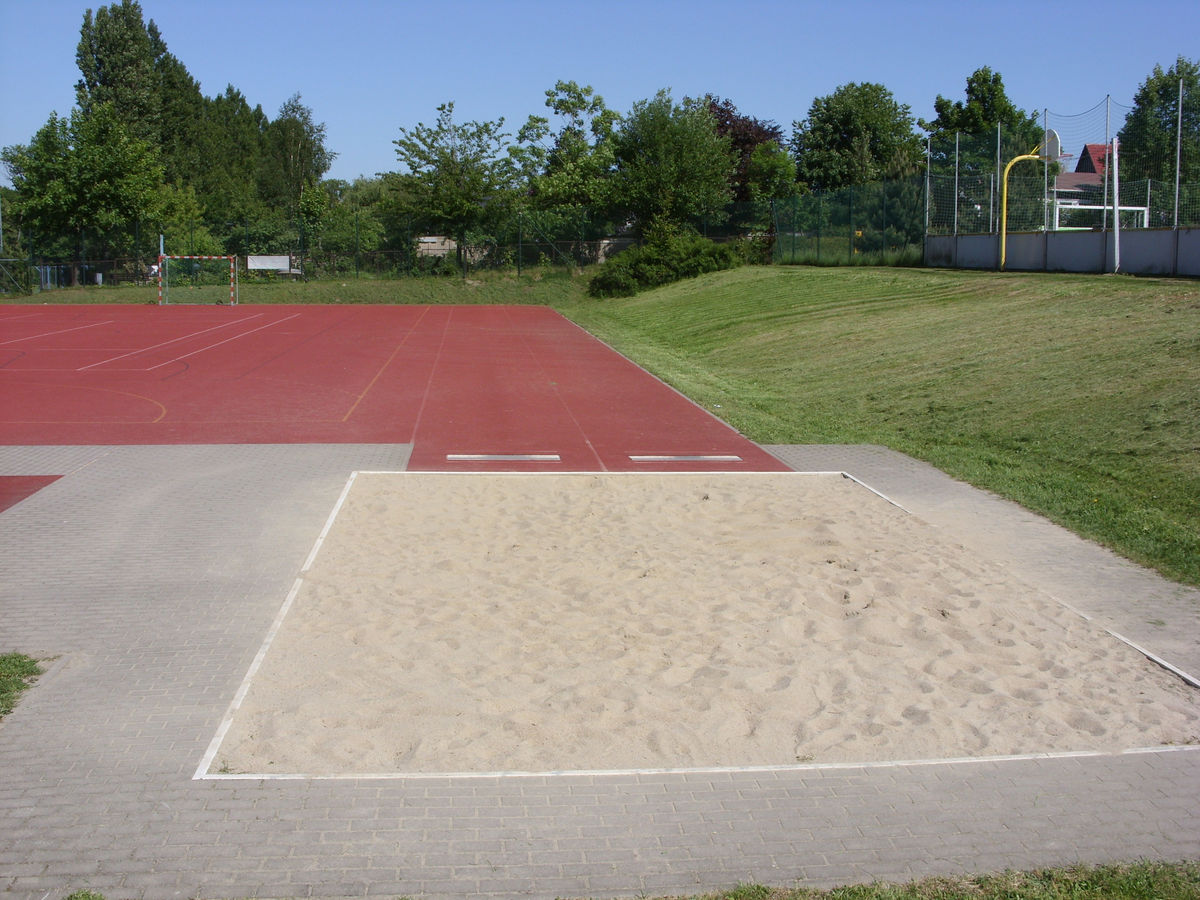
746, 134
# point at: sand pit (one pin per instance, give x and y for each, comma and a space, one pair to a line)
486, 623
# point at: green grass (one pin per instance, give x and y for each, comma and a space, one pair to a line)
1137, 881
1140, 881
17, 672
1076, 396
540, 287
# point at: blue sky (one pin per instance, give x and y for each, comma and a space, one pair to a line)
366, 68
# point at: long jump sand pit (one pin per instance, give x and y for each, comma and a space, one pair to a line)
537, 623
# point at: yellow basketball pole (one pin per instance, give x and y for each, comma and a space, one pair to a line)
1004, 204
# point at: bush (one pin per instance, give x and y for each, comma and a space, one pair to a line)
668, 255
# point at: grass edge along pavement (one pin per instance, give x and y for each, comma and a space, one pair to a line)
17, 674
1077, 397
1135, 881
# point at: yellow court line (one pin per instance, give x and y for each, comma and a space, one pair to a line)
387, 363
87, 387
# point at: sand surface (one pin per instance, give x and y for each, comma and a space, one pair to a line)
483, 623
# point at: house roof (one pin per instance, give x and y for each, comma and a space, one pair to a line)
1094, 158
1078, 181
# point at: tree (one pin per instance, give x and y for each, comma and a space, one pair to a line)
457, 174
1148, 137
86, 172
747, 136
294, 156
181, 116
231, 142
855, 135
671, 163
986, 108
116, 64
770, 173
573, 168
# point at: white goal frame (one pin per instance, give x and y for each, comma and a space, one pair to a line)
164, 260
1061, 206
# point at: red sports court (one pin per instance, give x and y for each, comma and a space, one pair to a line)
469, 387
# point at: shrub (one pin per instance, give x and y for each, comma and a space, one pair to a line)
668, 255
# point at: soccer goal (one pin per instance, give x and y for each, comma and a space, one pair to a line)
197, 279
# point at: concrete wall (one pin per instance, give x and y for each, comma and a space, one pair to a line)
1143, 251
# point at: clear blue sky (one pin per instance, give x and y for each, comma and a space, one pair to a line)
366, 68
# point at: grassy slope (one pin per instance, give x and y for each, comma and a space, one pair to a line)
1076, 396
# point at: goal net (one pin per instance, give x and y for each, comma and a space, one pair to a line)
197, 279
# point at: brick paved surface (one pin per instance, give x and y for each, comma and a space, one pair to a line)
151, 574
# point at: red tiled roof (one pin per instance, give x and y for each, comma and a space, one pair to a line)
1075, 181
1093, 159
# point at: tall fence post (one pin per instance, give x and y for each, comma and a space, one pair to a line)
1116, 170
956, 135
1178, 149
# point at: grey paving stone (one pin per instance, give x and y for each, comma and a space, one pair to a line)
150, 574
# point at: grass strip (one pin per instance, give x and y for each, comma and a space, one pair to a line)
17, 672
1134, 881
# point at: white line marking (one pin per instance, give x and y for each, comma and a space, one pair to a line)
711, 770
879, 494
203, 774
234, 705
333, 514
686, 458
34, 337
165, 343
503, 457
1174, 670
226, 341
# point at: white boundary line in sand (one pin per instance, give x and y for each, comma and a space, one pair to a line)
202, 773
244, 688
709, 770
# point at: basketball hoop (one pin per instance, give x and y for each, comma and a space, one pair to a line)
1051, 150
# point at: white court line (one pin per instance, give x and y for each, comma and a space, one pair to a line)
226, 341
710, 770
503, 457
686, 458
243, 689
34, 337
172, 341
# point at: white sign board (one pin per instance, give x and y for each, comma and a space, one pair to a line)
272, 263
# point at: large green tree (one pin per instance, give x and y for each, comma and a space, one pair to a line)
671, 164
986, 110
855, 135
457, 175
762, 170
115, 56
1148, 137
570, 167
86, 172
231, 143
181, 116
294, 156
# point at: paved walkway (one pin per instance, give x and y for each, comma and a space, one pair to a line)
152, 573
